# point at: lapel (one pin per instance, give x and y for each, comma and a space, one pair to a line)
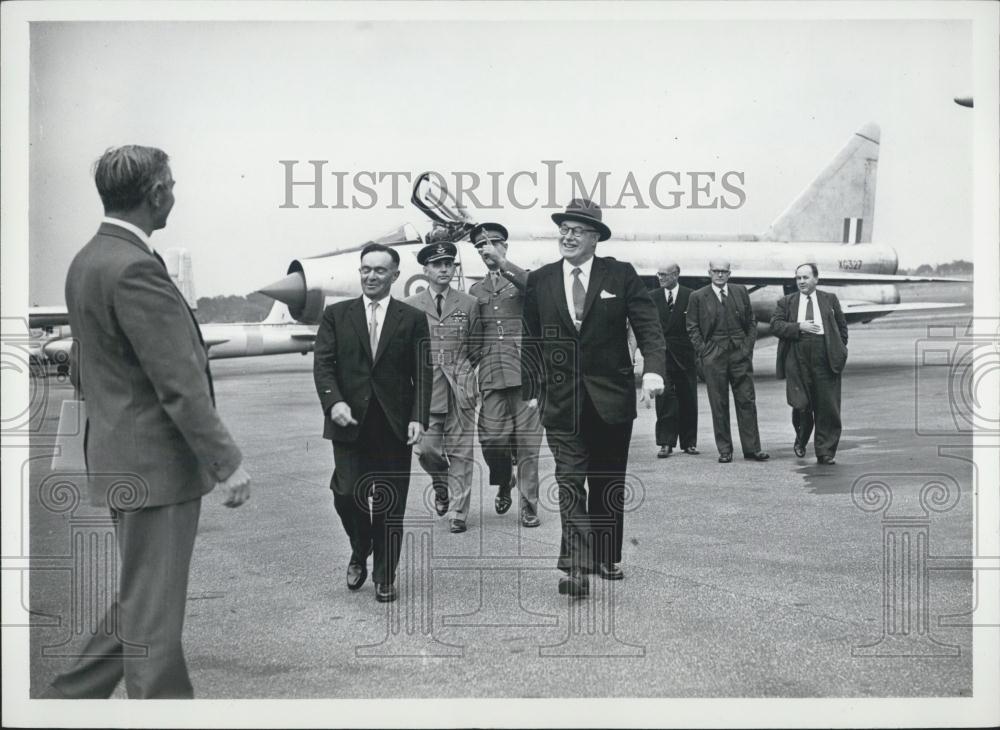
356, 313
713, 303
557, 289
597, 275
389, 324
793, 313
449, 305
678, 310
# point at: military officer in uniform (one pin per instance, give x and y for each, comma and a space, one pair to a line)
445, 451
508, 429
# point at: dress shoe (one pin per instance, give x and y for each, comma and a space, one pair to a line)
385, 592
530, 521
574, 584
440, 500
826, 460
457, 526
503, 502
611, 571
356, 574
758, 456
799, 449
664, 452
692, 451
725, 458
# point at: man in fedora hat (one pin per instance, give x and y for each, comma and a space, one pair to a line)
445, 451
508, 429
577, 369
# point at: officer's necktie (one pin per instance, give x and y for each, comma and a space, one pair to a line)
373, 328
809, 308
439, 298
579, 296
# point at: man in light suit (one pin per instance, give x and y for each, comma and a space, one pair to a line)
143, 369
456, 336
577, 368
371, 374
677, 407
812, 352
723, 330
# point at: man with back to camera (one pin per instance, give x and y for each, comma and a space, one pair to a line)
723, 330
373, 381
578, 369
142, 366
812, 352
508, 429
677, 407
445, 452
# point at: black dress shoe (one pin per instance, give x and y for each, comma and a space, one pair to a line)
826, 460
530, 521
457, 526
440, 500
799, 449
356, 574
692, 451
385, 592
725, 458
758, 456
503, 502
664, 452
611, 571
574, 584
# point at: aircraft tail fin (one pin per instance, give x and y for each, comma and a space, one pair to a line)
178, 261
839, 205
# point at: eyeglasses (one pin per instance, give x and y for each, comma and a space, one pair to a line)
378, 271
720, 271
575, 232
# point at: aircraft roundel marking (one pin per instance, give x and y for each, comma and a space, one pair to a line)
415, 284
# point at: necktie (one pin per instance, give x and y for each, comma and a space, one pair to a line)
809, 308
579, 296
439, 298
495, 279
670, 300
373, 328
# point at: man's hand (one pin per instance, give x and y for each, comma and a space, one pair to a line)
414, 431
810, 327
340, 413
652, 385
492, 255
533, 403
237, 488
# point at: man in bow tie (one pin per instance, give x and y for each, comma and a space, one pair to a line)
812, 352
577, 368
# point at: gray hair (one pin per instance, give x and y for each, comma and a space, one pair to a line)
125, 174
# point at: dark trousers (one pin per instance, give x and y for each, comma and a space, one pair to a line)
509, 433
376, 467
677, 410
822, 386
724, 366
140, 636
593, 518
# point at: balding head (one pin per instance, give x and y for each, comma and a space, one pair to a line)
667, 273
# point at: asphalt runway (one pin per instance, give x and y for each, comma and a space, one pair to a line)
776, 579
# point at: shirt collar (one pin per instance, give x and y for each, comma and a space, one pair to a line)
724, 287
584, 267
382, 302
131, 228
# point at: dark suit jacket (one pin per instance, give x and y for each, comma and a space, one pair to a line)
558, 358
785, 327
399, 374
703, 311
144, 372
680, 352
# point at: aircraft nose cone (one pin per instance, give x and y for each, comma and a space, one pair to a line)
290, 290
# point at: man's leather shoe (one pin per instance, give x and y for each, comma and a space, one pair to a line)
457, 526
530, 521
799, 449
611, 571
356, 574
826, 460
385, 592
692, 451
574, 584
503, 502
758, 456
725, 458
440, 500
664, 452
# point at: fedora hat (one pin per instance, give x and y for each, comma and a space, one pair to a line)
487, 228
581, 210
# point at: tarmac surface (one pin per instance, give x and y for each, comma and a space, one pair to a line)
777, 579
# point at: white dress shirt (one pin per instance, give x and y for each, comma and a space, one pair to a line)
803, 303
718, 291
139, 233
568, 281
667, 294
383, 304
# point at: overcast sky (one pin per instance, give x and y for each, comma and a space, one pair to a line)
772, 99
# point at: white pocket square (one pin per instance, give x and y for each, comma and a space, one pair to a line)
607, 295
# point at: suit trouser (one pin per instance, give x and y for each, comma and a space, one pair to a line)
375, 466
155, 546
507, 427
726, 366
822, 386
677, 410
445, 452
592, 519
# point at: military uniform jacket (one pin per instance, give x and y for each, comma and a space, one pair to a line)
500, 310
456, 337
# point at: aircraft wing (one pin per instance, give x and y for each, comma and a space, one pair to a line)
879, 310
210, 341
780, 278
